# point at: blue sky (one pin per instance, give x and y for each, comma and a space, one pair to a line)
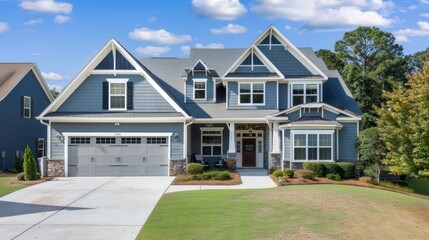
62, 36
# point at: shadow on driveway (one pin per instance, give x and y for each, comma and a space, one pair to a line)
8, 209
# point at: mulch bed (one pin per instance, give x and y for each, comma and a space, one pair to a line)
14, 181
234, 181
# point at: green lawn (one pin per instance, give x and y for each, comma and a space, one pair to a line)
420, 185
5, 188
293, 212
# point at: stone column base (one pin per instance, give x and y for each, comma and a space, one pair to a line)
177, 167
275, 161
56, 168
232, 156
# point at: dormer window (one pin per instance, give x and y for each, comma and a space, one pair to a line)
200, 88
305, 93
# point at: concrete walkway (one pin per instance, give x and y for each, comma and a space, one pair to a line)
251, 179
81, 208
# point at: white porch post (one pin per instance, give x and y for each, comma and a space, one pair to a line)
231, 128
276, 138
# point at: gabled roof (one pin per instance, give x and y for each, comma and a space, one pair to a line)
318, 105
12, 73
111, 45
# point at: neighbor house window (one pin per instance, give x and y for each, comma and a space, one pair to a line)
252, 93
211, 141
26, 108
304, 93
313, 146
200, 89
117, 94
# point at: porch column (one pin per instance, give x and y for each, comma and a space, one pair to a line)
231, 128
276, 138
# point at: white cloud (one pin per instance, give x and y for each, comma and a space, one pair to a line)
287, 27
403, 34
33, 22
424, 14
185, 49
60, 19
160, 36
211, 45
52, 76
229, 29
328, 13
412, 7
4, 26
46, 6
424, 1
152, 19
152, 51
219, 9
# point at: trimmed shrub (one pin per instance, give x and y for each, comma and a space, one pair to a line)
288, 172
330, 167
30, 170
278, 173
316, 167
366, 179
195, 168
333, 176
272, 170
210, 175
308, 174
347, 169
20, 176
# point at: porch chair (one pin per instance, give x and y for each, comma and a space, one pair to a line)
199, 159
221, 162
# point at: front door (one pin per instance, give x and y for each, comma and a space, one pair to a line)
249, 152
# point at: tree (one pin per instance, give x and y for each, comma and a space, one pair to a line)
30, 171
373, 63
418, 59
331, 60
55, 92
404, 125
372, 151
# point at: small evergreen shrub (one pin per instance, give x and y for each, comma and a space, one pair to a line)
195, 168
366, 179
347, 169
30, 170
278, 173
20, 176
288, 172
210, 175
330, 167
272, 170
316, 167
308, 174
333, 176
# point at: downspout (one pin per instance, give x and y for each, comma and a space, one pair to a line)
185, 139
48, 137
270, 142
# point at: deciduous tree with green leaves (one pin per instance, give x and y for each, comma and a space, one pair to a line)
372, 151
30, 169
404, 125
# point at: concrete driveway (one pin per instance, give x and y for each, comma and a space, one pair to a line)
81, 208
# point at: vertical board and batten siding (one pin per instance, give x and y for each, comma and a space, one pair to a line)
270, 97
57, 146
88, 97
16, 132
190, 88
283, 96
121, 63
347, 141
328, 115
196, 141
285, 62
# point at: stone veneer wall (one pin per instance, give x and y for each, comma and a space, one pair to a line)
177, 166
56, 168
276, 161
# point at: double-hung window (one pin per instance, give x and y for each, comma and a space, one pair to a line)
211, 141
117, 94
313, 146
252, 93
26, 108
200, 89
305, 93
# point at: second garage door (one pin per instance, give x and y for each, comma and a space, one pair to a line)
118, 156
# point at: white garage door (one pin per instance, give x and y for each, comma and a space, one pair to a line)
118, 156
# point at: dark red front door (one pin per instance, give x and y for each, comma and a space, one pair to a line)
249, 152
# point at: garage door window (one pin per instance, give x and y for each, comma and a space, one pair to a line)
105, 140
80, 140
131, 140
156, 140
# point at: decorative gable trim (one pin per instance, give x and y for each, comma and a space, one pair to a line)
111, 45
292, 49
318, 105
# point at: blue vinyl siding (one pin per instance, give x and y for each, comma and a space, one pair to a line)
196, 141
312, 112
293, 115
285, 62
328, 115
88, 96
283, 96
190, 87
347, 142
121, 63
270, 96
57, 146
17, 132
256, 69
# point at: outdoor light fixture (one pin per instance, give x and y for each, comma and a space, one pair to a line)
117, 124
176, 137
209, 125
60, 137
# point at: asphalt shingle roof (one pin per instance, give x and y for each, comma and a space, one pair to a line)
10, 75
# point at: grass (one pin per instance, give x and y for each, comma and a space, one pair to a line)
6, 188
420, 185
293, 212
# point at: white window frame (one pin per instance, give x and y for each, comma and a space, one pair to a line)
26, 98
305, 92
220, 129
195, 80
252, 64
251, 94
270, 43
118, 80
43, 146
309, 132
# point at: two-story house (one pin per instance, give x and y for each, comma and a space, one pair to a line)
271, 105
23, 96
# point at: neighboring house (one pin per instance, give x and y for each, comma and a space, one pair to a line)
23, 96
270, 105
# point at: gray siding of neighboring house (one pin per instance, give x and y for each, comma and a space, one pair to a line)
190, 88
16, 132
328, 115
57, 146
270, 96
285, 62
347, 142
196, 141
283, 96
88, 97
